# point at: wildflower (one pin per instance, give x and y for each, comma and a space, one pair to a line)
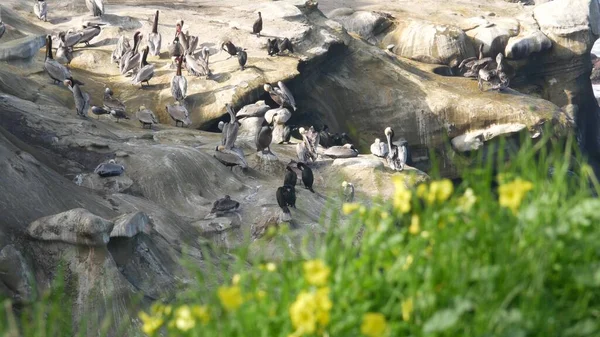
421, 190
271, 267
230, 297
235, 280
349, 208
402, 196
415, 227
512, 194
439, 191
467, 201
408, 263
324, 305
373, 324
316, 272
384, 215
184, 320
424, 234
201, 312
302, 313
407, 308
160, 309
151, 323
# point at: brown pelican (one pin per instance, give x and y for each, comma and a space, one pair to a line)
40, 8
302, 148
345, 151
99, 111
348, 190
257, 26
121, 48
230, 130
224, 205
56, 71
179, 83
62, 52
468, 62
198, 66
179, 114
307, 176
176, 48
281, 95
146, 117
263, 139
191, 42
393, 157
242, 57
72, 38
154, 38
230, 157
81, 98
312, 139
290, 177
90, 31
278, 46
379, 148
131, 59
95, 6
497, 77
230, 48
145, 72
111, 103
110, 169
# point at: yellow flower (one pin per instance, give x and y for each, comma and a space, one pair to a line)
373, 324
402, 196
349, 208
424, 234
231, 297
439, 190
384, 215
316, 272
467, 201
235, 280
421, 190
408, 263
184, 320
415, 227
201, 312
160, 309
407, 309
151, 323
271, 267
512, 194
302, 313
324, 305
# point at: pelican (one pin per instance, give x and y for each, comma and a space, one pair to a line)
307, 176
56, 71
179, 83
121, 48
257, 26
224, 205
110, 169
72, 38
90, 31
198, 67
154, 38
179, 114
146, 117
95, 6
242, 57
348, 190
302, 148
281, 95
230, 157
230, 130
379, 148
40, 8
345, 151
62, 52
191, 42
81, 98
131, 59
312, 139
393, 157
146, 70
175, 48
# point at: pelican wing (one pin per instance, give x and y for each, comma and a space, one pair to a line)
232, 130
80, 99
121, 48
287, 94
89, 33
154, 43
131, 64
100, 6
196, 67
179, 113
145, 74
146, 116
340, 152
231, 157
179, 87
192, 44
112, 103
224, 133
56, 70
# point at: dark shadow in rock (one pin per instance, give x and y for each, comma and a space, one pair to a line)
443, 71
221, 77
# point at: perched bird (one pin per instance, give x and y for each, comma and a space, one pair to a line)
146, 117
63, 53
95, 6
307, 176
257, 26
278, 46
345, 151
224, 205
179, 83
230, 48
230, 157
110, 169
311, 137
280, 194
145, 72
121, 48
290, 177
99, 111
348, 190
81, 98
393, 156
119, 114
176, 49
90, 31
379, 148
404, 152
263, 139
198, 67
154, 38
288, 196
111, 103
281, 95
40, 8
179, 114
131, 59
191, 42
303, 148
230, 130
242, 57
72, 38
57, 72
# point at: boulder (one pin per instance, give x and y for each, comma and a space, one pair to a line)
523, 45
257, 109
16, 275
21, 49
131, 224
494, 34
250, 127
212, 226
77, 226
366, 24
108, 185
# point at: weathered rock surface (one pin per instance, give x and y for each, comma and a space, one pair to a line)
131, 224
366, 24
21, 49
77, 227
16, 275
107, 184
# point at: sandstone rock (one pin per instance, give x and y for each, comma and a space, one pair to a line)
250, 127
212, 226
473, 140
77, 227
23, 48
257, 109
494, 35
367, 25
430, 43
107, 185
130, 224
16, 275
